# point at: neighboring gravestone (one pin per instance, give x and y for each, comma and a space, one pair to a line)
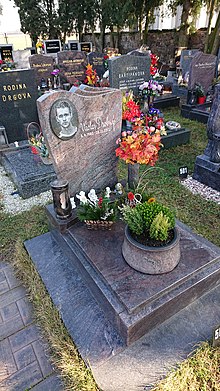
42, 65
52, 46
85, 47
128, 72
82, 145
73, 45
96, 59
72, 66
21, 57
202, 70
207, 166
6, 52
18, 102
185, 60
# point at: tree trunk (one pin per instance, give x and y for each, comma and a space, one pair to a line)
145, 32
184, 27
216, 37
102, 36
93, 40
209, 27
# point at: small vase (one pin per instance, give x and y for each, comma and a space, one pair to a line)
133, 175
201, 100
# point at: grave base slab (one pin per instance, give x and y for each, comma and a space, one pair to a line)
166, 100
96, 292
29, 174
174, 138
207, 172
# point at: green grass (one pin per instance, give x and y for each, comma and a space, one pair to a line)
198, 373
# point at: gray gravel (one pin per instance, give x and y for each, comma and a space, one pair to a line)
199, 188
14, 204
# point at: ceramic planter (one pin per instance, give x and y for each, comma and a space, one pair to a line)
201, 100
151, 260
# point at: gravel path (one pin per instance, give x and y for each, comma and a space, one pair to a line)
14, 204
199, 188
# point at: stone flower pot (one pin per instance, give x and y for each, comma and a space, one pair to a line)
151, 260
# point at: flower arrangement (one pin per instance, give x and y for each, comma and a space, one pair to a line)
94, 208
38, 145
91, 76
150, 222
130, 109
40, 45
150, 88
153, 65
7, 64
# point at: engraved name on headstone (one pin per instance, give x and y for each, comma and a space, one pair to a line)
85, 47
42, 65
202, 70
81, 130
128, 72
72, 66
18, 95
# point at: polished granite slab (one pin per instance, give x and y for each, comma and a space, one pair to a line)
135, 302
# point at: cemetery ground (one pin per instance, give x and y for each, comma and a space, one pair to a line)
199, 372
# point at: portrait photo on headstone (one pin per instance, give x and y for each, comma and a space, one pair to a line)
63, 119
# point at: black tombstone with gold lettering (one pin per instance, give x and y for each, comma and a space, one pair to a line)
18, 95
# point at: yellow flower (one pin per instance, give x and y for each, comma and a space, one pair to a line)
152, 199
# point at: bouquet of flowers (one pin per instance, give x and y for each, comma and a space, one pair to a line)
93, 208
7, 64
150, 88
91, 76
130, 110
153, 66
38, 145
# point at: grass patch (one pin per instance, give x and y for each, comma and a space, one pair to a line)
65, 356
200, 371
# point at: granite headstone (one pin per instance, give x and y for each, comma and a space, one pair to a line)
18, 102
96, 59
128, 72
83, 147
6, 52
52, 46
85, 47
185, 60
72, 66
21, 57
207, 166
73, 45
42, 65
202, 70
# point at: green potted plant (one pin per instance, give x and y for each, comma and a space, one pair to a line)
151, 242
200, 93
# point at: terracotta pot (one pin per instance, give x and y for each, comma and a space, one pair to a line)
151, 260
201, 100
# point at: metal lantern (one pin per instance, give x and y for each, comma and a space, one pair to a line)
61, 199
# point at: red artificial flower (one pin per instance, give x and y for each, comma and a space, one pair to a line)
100, 202
130, 196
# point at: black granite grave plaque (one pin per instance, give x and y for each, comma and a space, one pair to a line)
96, 59
42, 65
72, 66
18, 102
52, 46
202, 70
128, 72
73, 45
185, 60
6, 52
85, 47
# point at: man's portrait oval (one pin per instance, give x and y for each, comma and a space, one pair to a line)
63, 119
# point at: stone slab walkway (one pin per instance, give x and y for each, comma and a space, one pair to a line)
24, 362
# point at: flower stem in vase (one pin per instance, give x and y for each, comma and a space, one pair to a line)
133, 175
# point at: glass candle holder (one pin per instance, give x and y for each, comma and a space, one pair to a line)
61, 199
